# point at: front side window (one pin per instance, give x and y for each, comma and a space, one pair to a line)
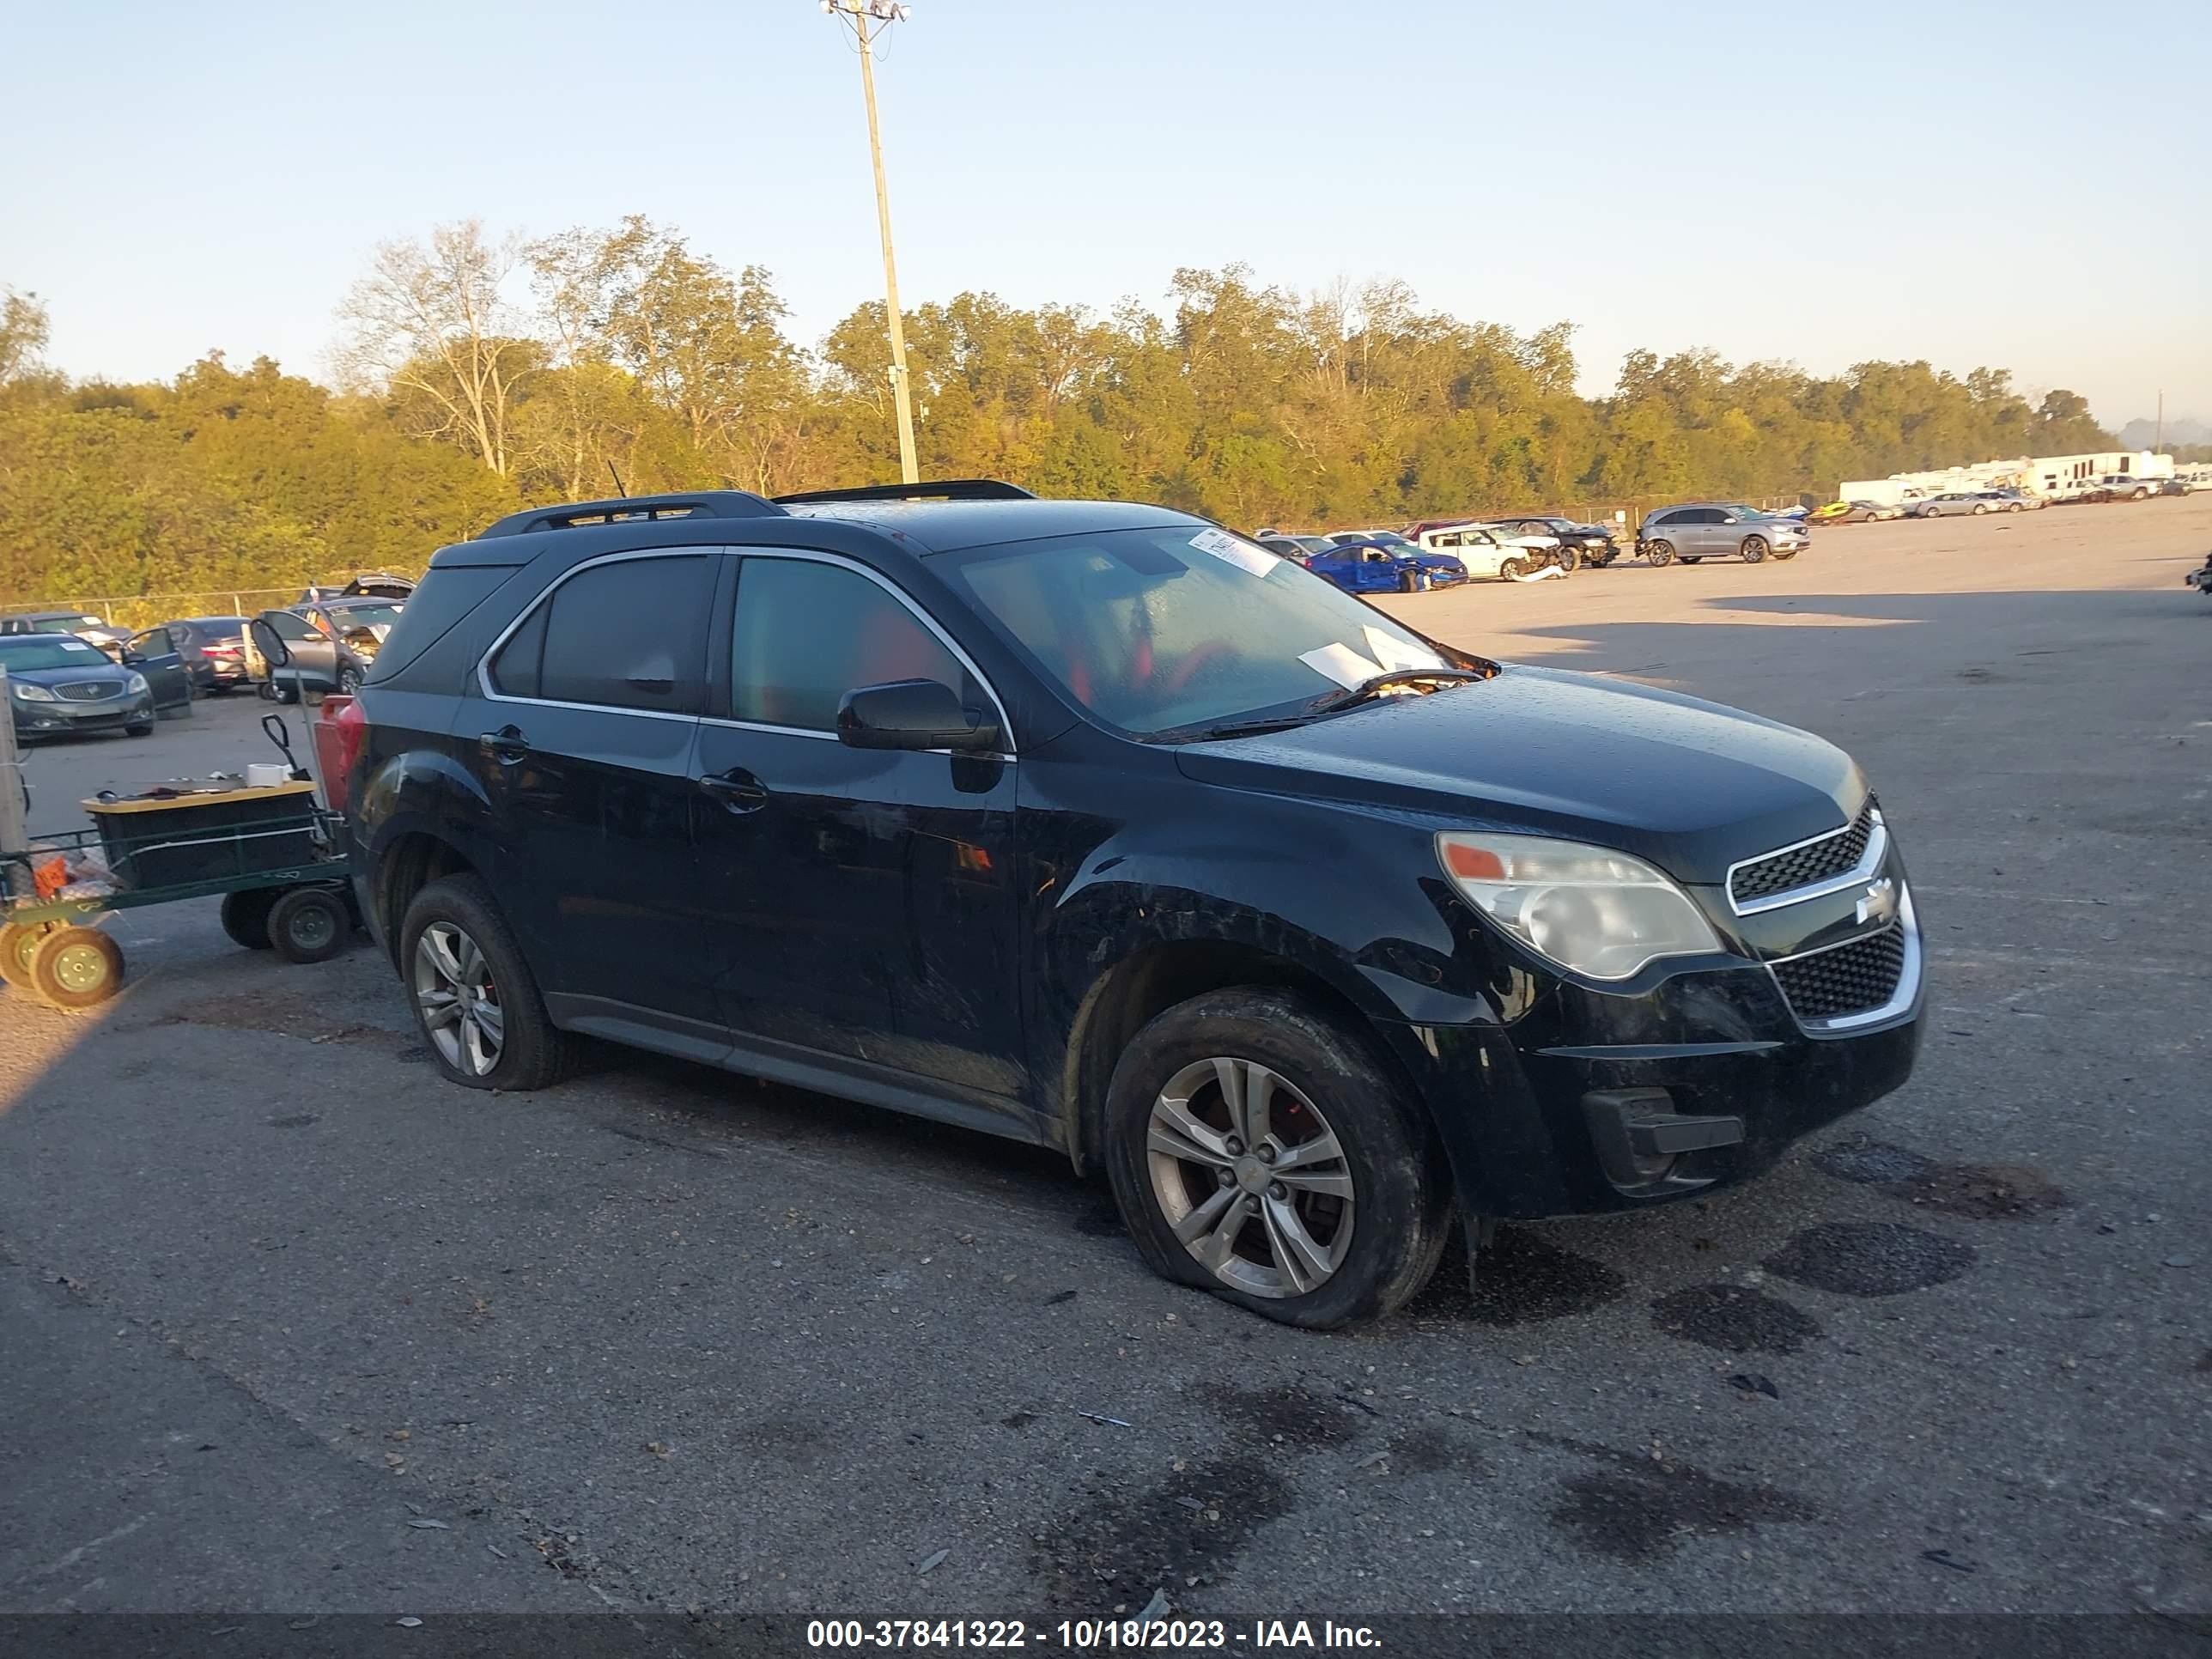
154, 642
291, 626
631, 634
808, 632
1168, 631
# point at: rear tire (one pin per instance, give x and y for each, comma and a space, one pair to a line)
1660, 554
309, 924
532, 1052
245, 916
1286, 1254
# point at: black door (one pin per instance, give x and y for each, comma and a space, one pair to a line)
858, 904
581, 732
154, 654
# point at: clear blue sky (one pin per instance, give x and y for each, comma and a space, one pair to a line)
2027, 185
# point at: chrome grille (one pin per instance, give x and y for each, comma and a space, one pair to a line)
1848, 979
1824, 860
87, 690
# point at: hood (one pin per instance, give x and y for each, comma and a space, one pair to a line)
103, 671
1689, 784
1532, 541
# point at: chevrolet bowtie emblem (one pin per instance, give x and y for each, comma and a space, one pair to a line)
1879, 902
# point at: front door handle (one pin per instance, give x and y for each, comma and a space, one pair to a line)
506, 745
736, 789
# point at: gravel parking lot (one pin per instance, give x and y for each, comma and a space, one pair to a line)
286, 1324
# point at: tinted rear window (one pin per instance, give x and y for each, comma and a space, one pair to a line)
444, 596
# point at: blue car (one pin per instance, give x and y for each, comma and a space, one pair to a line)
1413, 569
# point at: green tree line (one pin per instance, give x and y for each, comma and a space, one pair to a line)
477, 374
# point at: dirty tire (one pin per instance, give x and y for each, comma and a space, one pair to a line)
1513, 570
76, 967
245, 916
534, 1054
1401, 1197
309, 924
1568, 559
17, 941
1661, 555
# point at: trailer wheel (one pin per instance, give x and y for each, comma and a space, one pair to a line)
245, 916
308, 924
75, 967
18, 939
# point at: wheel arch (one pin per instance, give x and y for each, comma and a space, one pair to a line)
405, 865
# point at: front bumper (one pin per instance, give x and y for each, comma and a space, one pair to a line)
1576, 1100
61, 718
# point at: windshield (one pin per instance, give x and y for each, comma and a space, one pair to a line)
57, 651
1170, 630
364, 616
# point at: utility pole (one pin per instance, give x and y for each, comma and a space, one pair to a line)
859, 15
2158, 446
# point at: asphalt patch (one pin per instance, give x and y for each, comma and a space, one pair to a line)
1121, 1544
2204, 1364
1976, 1192
281, 1013
1869, 1258
1520, 1279
1645, 1507
1288, 1413
1101, 1221
1018, 1419
296, 1121
1431, 1450
1735, 1320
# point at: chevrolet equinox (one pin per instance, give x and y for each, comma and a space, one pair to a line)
1101, 827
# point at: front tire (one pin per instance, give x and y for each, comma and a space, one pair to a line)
1660, 554
19, 940
245, 916
475, 1001
75, 967
1569, 559
1512, 570
144, 730
1259, 1151
349, 682
1754, 549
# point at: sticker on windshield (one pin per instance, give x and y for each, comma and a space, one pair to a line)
1246, 557
1398, 654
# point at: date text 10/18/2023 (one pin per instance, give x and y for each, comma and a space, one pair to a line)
1088, 1634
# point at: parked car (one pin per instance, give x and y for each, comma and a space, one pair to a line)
1710, 530
1096, 826
1951, 504
1490, 552
1429, 569
1370, 568
331, 645
214, 650
1854, 513
379, 584
1588, 543
2010, 501
92, 629
2125, 487
59, 685
1294, 547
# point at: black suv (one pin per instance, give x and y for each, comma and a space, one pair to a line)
1101, 827
1589, 543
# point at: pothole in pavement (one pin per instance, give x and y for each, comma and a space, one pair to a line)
1734, 1319
1520, 1279
1976, 1192
1124, 1542
1643, 1507
1869, 1258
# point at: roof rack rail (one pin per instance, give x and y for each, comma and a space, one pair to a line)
699, 504
942, 490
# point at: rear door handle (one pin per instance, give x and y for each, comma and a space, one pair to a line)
506, 745
736, 789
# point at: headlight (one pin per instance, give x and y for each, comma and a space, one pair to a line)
135, 684
1588, 908
30, 693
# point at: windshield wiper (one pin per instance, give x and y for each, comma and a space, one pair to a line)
1376, 684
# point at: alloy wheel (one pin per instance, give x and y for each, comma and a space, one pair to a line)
457, 1001
1250, 1177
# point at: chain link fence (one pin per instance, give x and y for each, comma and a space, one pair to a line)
145, 609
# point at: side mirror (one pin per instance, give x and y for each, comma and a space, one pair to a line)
912, 715
132, 658
273, 650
